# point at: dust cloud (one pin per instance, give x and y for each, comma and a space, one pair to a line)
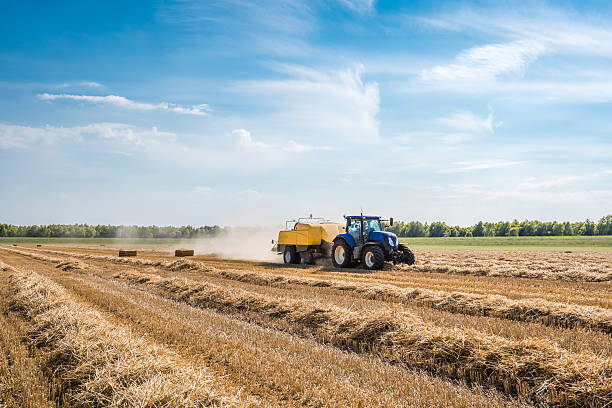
243, 243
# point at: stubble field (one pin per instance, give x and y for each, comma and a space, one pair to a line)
460, 328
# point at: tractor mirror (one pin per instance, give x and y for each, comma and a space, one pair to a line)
391, 221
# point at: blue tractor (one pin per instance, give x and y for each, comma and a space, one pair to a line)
365, 241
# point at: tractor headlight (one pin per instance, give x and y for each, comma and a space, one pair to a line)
391, 241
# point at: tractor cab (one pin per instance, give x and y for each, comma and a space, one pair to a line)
360, 228
366, 240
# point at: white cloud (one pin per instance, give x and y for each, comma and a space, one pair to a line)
560, 33
534, 183
15, 136
468, 121
126, 103
538, 184
336, 105
293, 146
246, 140
360, 6
487, 62
82, 84
507, 67
464, 166
517, 192
202, 189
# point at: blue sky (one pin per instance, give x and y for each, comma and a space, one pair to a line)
241, 112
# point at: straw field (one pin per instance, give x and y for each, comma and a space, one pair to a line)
461, 328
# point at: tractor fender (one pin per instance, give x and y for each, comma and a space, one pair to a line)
348, 238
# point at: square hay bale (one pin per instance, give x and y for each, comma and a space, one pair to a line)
183, 252
127, 252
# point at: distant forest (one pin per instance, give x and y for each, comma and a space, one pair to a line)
504, 229
107, 231
403, 229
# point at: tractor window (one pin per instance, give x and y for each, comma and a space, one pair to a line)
369, 226
373, 225
354, 228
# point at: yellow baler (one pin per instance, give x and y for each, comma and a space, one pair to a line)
307, 240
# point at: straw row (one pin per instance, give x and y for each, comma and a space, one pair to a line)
100, 363
22, 383
529, 369
533, 310
554, 314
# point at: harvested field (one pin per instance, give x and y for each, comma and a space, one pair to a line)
454, 338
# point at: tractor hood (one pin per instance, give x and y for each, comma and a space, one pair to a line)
384, 236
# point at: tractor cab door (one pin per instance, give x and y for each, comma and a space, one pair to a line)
353, 227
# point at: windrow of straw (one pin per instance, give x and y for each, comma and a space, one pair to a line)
554, 314
22, 383
589, 267
576, 276
100, 363
533, 310
530, 369
581, 267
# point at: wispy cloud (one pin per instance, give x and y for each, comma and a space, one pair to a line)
293, 146
468, 121
246, 140
464, 166
126, 103
506, 66
80, 84
360, 6
487, 62
334, 105
530, 195
22, 137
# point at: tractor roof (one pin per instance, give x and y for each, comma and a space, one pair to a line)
367, 217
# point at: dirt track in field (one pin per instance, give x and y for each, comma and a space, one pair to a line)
281, 362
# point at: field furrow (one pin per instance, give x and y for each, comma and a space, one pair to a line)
22, 381
282, 369
530, 368
575, 339
536, 310
99, 363
575, 292
495, 342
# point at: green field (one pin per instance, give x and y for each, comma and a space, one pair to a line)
579, 243
576, 243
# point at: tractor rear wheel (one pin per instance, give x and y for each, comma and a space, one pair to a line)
290, 256
341, 254
373, 257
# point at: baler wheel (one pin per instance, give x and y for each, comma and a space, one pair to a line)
290, 256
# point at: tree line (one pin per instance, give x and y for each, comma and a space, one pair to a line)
401, 229
107, 231
514, 228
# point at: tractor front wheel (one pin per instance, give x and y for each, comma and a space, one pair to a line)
407, 254
341, 254
373, 258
